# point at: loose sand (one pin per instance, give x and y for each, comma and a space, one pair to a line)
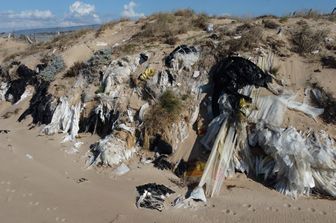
39, 183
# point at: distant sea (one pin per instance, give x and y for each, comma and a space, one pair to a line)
44, 34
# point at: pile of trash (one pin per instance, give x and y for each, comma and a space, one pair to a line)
244, 104
247, 136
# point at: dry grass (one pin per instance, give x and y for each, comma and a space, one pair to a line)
326, 101
11, 57
108, 26
244, 27
126, 49
270, 24
75, 69
166, 26
249, 40
67, 39
163, 114
305, 39
284, 19
171, 40
308, 14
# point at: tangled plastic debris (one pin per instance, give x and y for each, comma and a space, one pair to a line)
152, 196
110, 151
293, 163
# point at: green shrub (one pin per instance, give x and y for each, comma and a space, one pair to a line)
170, 103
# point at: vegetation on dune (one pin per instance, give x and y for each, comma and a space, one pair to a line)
165, 26
306, 39
163, 114
249, 39
109, 25
75, 69
326, 101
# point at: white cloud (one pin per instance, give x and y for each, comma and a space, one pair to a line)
12, 20
79, 8
31, 14
129, 11
80, 13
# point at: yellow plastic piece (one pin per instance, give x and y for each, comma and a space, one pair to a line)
147, 74
198, 169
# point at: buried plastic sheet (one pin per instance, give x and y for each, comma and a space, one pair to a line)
271, 109
3, 89
237, 154
110, 151
142, 111
65, 119
121, 170
119, 72
301, 162
292, 159
219, 160
28, 92
183, 57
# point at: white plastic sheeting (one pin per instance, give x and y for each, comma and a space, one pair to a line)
111, 151
184, 61
271, 109
219, 160
323, 149
289, 157
3, 89
178, 133
119, 72
65, 119
27, 93
301, 162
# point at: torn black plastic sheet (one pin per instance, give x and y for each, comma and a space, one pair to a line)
232, 74
162, 163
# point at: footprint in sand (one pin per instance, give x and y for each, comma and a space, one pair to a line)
59, 219
323, 213
287, 205
249, 207
311, 209
272, 209
34, 203
229, 212
297, 208
9, 199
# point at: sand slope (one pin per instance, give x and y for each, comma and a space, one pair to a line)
39, 183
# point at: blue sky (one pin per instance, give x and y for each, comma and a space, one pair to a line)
25, 14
